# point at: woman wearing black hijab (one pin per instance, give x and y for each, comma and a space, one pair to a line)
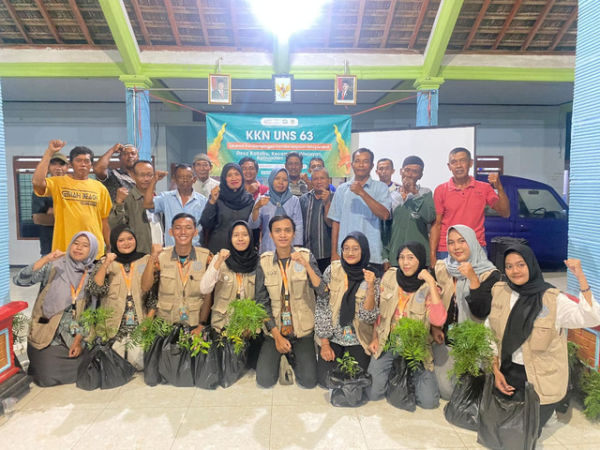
527, 318
228, 202
344, 319
117, 282
407, 291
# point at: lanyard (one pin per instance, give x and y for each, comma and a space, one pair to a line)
128, 277
240, 280
184, 276
75, 293
286, 284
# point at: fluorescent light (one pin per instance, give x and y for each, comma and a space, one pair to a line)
285, 17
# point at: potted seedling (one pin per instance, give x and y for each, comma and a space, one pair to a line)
349, 383
473, 357
149, 335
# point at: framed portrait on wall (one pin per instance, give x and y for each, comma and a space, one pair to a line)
219, 89
282, 88
345, 90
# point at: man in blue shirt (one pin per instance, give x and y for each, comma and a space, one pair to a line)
183, 199
360, 205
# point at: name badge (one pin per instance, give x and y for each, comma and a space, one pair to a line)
298, 267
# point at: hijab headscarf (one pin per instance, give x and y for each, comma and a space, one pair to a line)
527, 307
123, 258
412, 283
479, 262
243, 261
355, 275
69, 273
235, 200
279, 198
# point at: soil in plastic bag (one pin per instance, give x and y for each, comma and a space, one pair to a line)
208, 365
401, 387
463, 408
151, 357
176, 365
233, 366
103, 368
349, 392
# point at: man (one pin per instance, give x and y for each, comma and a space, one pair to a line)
462, 200
289, 305
129, 208
293, 164
179, 270
250, 171
385, 170
360, 205
316, 161
346, 93
204, 183
182, 199
220, 93
80, 203
317, 226
413, 213
41, 207
113, 179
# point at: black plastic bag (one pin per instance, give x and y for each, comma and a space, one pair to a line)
349, 393
233, 366
103, 368
463, 408
151, 357
507, 424
176, 365
208, 365
401, 387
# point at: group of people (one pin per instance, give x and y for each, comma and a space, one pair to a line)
335, 269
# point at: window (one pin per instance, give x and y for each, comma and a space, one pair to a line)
539, 204
23, 168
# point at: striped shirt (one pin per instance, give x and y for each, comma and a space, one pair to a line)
317, 234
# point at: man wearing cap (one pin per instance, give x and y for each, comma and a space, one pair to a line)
413, 211
204, 183
42, 207
113, 179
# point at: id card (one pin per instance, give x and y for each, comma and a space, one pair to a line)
183, 314
347, 333
73, 327
286, 319
129, 314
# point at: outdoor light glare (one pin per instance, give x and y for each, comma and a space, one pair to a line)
285, 17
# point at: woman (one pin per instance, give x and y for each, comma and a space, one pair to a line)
231, 273
55, 337
527, 318
279, 201
407, 291
466, 277
117, 282
344, 319
228, 202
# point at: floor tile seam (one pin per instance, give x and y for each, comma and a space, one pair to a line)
183, 417
84, 432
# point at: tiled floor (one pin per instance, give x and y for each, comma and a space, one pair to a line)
242, 416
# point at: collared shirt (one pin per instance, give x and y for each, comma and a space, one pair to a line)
353, 214
463, 206
298, 188
169, 203
205, 187
267, 212
115, 179
317, 234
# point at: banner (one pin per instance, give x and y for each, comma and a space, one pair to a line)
230, 137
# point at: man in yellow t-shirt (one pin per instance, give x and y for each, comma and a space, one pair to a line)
80, 203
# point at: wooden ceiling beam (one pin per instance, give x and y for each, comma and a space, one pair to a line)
564, 29
538, 24
419, 22
507, 22
202, 23
48, 20
361, 13
172, 23
81, 22
478, 19
234, 25
388, 24
140, 19
13, 13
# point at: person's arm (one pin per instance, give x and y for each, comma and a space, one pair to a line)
37, 272
101, 166
435, 308
106, 232
211, 276
326, 198
151, 268
102, 269
434, 239
502, 205
118, 213
149, 194
44, 219
368, 310
584, 314
479, 299
315, 279
98, 283
335, 232
376, 208
208, 219
39, 175
254, 217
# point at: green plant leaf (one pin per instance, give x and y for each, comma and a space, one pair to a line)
409, 340
146, 332
348, 365
471, 348
245, 319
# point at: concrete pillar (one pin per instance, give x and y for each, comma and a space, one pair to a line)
4, 258
427, 101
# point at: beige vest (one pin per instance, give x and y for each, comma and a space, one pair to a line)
173, 297
117, 293
337, 288
415, 308
225, 292
302, 296
545, 350
41, 334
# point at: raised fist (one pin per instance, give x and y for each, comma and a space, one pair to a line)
55, 146
122, 194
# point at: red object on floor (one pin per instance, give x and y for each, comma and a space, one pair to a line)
7, 356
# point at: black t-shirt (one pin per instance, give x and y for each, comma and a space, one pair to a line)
41, 205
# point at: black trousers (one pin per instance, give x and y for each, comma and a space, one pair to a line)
302, 358
325, 367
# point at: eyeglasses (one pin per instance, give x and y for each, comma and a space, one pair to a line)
350, 250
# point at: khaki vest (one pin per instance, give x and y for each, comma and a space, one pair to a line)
225, 292
117, 293
41, 334
302, 296
172, 296
446, 282
337, 288
415, 308
545, 350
